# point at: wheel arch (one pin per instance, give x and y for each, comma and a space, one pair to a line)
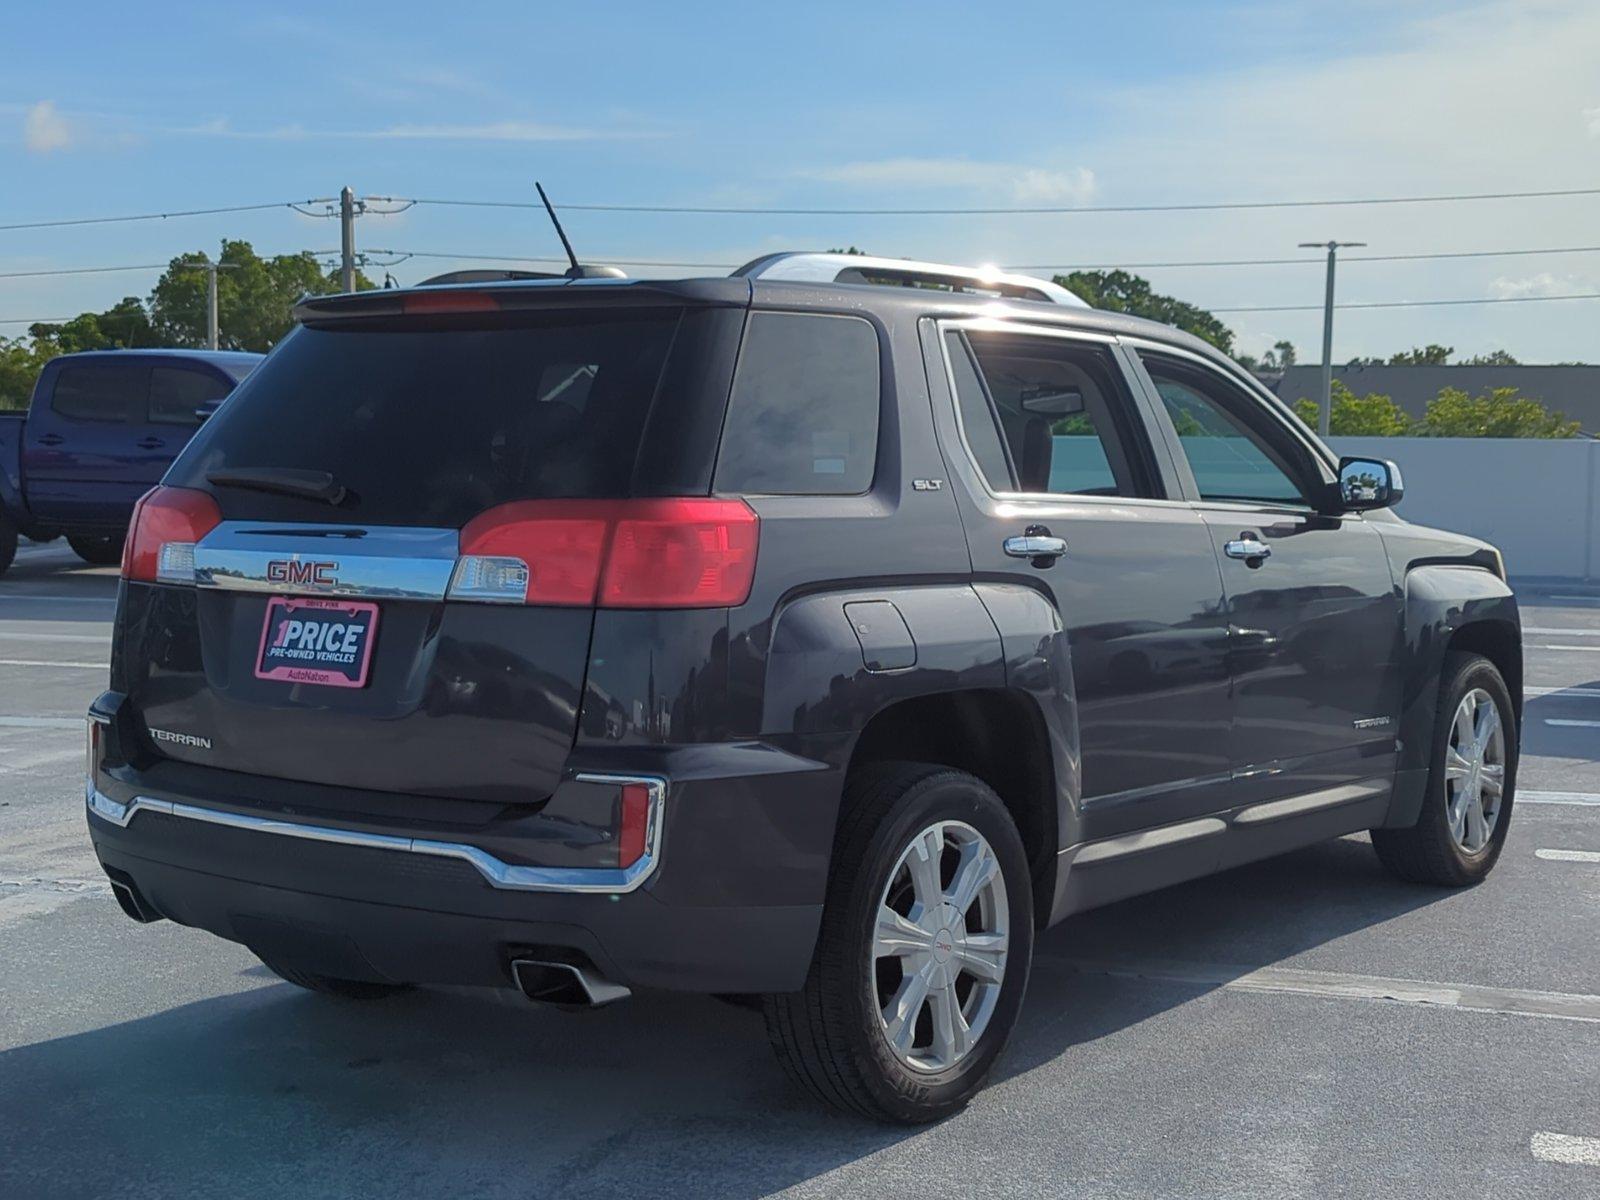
1448, 608
996, 734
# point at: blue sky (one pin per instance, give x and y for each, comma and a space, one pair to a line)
166, 106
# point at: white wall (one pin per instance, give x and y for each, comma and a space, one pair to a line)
1535, 499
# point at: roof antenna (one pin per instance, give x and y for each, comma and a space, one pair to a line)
574, 271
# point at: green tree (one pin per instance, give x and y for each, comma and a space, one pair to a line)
1495, 358
254, 296
19, 367
1501, 413
1372, 415
1431, 355
123, 326
1121, 291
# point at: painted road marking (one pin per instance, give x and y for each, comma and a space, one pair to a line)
1559, 631
41, 722
1584, 856
1569, 723
1577, 693
58, 599
34, 662
1518, 1002
87, 637
1550, 646
1566, 1148
1585, 798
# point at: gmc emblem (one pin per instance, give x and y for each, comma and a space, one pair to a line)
289, 570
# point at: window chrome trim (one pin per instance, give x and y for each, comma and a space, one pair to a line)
496, 872
379, 561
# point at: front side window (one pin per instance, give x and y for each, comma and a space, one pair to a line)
99, 393
177, 392
803, 417
1046, 415
1231, 459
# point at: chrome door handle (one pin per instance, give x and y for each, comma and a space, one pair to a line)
1036, 545
1247, 548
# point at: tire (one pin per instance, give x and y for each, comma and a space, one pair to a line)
42, 537
329, 985
97, 551
1431, 851
8, 543
831, 1037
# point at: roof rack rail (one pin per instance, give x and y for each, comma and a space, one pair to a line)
812, 267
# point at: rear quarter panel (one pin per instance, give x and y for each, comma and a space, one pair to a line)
11, 499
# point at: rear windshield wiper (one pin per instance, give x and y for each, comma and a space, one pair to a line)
311, 485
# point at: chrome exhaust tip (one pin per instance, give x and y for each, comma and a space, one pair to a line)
564, 984
133, 904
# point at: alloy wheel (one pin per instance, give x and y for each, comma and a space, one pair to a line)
1475, 771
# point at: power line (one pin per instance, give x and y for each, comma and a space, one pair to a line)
164, 216
1220, 206
1407, 303
1273, 262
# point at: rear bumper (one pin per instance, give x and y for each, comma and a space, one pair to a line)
407, 906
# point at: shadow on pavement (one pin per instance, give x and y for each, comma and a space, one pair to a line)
274, 1092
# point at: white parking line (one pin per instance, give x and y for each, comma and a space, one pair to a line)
1569, 723
34, 662
1552, 646
1577, 693
41, 722
1566, 1148
1517, 1002
58, 599
1559, 631
1581, 798
1583, 856
84, 637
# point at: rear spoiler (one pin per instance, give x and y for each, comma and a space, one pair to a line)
521, 295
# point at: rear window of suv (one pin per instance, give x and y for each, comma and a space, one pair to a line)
431, 425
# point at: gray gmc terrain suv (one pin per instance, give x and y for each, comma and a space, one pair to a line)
818, 634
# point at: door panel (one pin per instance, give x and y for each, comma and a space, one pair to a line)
1314, 614
77, 449
1138, 586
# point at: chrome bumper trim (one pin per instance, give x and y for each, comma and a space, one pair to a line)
497, 873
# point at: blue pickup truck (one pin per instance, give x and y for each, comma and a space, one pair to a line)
101, 430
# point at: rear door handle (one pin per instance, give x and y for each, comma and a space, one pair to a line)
150, 443
1036, 546
1248, 547
51, 439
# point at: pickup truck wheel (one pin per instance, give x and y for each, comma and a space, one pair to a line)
1472, 779
924, 951
329, 985
97, 551
8, 543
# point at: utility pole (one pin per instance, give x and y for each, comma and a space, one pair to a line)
211, 269
347, 239
1325, 405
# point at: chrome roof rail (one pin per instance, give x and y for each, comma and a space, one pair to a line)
809, 267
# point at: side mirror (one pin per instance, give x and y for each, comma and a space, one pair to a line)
207, 410
1366, 483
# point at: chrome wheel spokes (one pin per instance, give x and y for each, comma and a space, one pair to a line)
939, 946
1475, 771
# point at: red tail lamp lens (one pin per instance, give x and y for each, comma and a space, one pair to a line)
634, 835
692, 553
449, 302
696, 552
167, 522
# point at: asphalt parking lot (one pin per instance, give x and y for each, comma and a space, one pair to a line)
1302, 1027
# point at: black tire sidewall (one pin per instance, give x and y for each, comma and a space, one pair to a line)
944, 796
8, 542
1462, 675
97, 551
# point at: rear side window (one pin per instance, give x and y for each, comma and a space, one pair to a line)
429, 425
175, 393
803, 419
107, 393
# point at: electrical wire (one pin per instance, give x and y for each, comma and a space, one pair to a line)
1406, 303
164, 216
1218, 206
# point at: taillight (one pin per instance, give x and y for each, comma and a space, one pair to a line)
695, 552
167, 522
633, 835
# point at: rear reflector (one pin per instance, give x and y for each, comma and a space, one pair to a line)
696, 552
634, 832
167, 522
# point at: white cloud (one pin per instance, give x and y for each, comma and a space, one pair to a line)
45, 130
1543, 284
1019, 182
